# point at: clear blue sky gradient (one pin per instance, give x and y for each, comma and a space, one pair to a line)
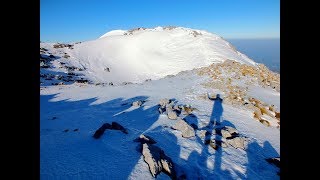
82, 20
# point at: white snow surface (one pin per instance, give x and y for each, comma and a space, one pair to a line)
149, 54
77, 155
70, 114
114, 33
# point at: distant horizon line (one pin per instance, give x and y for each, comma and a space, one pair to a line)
227, 38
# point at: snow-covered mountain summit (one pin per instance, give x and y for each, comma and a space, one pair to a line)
139, 54
212, 113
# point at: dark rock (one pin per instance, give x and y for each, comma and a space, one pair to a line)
117, 126
51, 56
82, 81
71, 73
76, 130
101, 130
44, 49
66, 130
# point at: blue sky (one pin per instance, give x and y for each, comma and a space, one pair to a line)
81, 20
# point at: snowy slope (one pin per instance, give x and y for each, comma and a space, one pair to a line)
148, 53
72, 111
76, 155
114, 33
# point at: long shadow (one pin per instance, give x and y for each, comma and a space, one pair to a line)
213, 131
67, 148
257, 166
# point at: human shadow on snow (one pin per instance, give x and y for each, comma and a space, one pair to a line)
77, 155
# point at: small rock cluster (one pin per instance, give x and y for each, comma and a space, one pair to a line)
173, 110
222, 75
63, 77
260, 108
58, 45
229, 136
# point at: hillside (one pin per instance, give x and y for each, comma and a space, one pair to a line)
162, 103
139, 54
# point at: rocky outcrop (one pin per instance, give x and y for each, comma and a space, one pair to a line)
186, 130
172, 114
157, 161
237, 142
228, 132
164, 102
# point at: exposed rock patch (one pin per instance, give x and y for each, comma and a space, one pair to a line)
186, 130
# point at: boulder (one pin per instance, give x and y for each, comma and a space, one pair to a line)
264, 122
151, 155
164, 102
215, 144
202, 133
228, 132
177, 107
167, 166
157, 161
225, 133
172, 114
186, 129
117, 126
277, 115
237, 142
169, 106
137, 103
